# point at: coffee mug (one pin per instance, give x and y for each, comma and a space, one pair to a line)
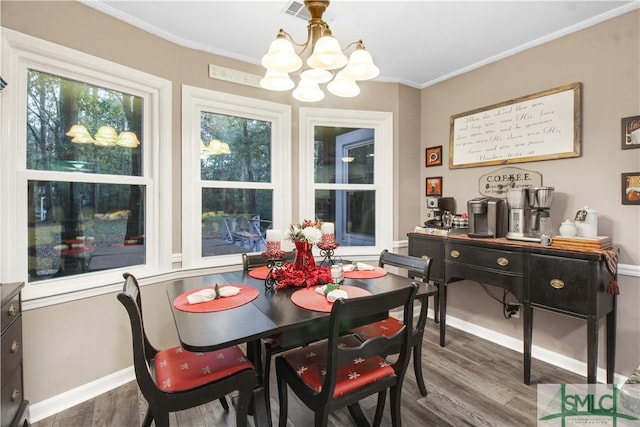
545, 240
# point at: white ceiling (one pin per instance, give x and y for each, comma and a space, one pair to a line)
417, 43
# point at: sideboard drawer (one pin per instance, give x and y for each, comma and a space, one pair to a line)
496, 267
561, 284
11, 348
10, 311
11, 399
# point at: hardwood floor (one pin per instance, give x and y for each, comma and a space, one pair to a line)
471, 382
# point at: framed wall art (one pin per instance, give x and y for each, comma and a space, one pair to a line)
630, 132
434, 186
433, 156
631, 188
542, 126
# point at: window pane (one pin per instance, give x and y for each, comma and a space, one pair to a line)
55, 106
235, 220
81, 227
344, 155
234, 148
353, 213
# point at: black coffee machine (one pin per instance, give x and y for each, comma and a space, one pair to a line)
487, 217
438, 206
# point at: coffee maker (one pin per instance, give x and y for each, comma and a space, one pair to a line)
437, 206
526, 208
487, 217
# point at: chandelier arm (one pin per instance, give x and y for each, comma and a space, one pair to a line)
358, 43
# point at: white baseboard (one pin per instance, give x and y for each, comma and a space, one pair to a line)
543, 354
68, 399
41, 410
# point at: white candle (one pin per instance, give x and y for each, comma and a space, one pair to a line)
327, 228
273, 235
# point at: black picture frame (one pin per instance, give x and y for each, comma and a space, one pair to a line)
433, 186
630, 132
630, 186
433, 156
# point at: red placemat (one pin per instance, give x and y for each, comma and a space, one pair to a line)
247, 294
309, 299
259, 272
365, 274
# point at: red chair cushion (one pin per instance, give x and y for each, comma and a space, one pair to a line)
178, 369
385, 328
311, 362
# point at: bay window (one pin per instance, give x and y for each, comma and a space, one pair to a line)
236, 170
346, 176
81, 169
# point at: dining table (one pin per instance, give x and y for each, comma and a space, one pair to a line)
270, 312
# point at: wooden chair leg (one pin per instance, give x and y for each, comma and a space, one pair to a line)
395, 397
161, 418
148, 418
382, 397
265, 381
223, 402
284, 405
358, 416
242, 410
417, 367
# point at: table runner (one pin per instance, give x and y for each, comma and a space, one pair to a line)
246, 295
307, 298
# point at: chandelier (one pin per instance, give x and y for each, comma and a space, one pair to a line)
323, 60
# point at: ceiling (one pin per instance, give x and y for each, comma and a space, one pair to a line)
417, 43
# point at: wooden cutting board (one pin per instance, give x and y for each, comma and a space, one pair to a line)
600, 242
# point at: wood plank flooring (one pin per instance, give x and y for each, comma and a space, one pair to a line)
471, 382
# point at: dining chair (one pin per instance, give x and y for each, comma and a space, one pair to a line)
175, 379
417, 268
342, 370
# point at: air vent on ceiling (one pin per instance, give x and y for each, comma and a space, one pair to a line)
298, 9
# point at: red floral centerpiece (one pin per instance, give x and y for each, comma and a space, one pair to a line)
303, 272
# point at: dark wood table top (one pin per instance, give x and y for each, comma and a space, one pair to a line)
271, 313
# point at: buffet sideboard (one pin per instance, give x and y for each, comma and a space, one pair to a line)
567, 281
13, 406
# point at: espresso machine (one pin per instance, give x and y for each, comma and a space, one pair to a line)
487, 217
527, 206
437, 206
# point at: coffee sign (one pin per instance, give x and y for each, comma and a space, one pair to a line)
496, 183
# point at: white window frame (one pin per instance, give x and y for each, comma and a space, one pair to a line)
22, 52
196, 100
382, 124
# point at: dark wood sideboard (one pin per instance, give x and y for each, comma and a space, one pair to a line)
13, 406
565, 281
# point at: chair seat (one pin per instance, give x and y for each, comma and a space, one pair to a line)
178, 369
385, 328
310, 364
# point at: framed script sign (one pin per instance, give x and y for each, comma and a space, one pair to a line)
543, 126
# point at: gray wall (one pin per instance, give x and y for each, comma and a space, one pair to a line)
68, 345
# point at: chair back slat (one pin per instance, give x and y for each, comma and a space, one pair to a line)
416, 267
251, 261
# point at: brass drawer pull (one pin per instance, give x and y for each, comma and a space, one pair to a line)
502, 261
15, 395
15, 346
455, 254
556, 283
12, 310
